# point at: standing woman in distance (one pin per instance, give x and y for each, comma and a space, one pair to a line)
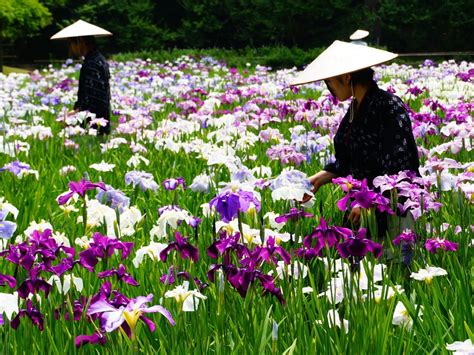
375, 136
94, 89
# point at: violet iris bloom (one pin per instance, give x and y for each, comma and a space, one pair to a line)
358, 246
241, 278
96, 338
293, 215
103, 247
121, 274
407, 237
80, 188
30, 312
7, 280
33, 286
181, 245
142, 179
320, 237
225, 245
127, 316
270, 251
172, 184
229, 203
432, 245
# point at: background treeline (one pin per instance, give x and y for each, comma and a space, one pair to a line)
146, 25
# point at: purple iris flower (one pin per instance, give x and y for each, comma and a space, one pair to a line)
293, 215
103, 247
80, 188
224, 245
172, 184
358, 246
407, 237
30, 312
96, 338
78, 307
33, 286
347, 183
112, 317
121, 274
227, 205
15, 167
181, 245
1, 320
168, 278
271, 250
7, 229
432, 245
113, 198
7, 280
241, 278
321, 236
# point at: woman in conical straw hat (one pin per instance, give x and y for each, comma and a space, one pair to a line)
94, 90
375, 136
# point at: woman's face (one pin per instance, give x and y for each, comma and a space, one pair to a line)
340, 86
76, 46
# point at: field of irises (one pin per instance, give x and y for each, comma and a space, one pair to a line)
182, 232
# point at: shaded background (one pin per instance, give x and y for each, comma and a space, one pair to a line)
401, 26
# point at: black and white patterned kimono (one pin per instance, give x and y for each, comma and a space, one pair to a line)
378, 141
94, 90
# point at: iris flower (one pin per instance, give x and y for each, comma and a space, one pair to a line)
127, 316
80, 188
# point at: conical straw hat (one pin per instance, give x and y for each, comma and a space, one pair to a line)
340, 58
79, 29
359, 34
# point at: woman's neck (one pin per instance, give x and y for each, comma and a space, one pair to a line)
359, 93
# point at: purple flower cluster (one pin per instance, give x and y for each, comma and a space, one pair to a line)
348, 244
249, 270
229, 203
360, 195
286, 154
432, 245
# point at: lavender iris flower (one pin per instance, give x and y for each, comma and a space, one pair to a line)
80, 188
112, 317
7, 229
15, 167
113, 198
142, 179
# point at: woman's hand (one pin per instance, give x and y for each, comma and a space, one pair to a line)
354, 215
317, 180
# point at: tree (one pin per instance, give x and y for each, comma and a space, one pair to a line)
21, 18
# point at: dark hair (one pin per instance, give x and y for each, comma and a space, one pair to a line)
362, 77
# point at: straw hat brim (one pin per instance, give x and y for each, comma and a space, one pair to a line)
341, 58
80, 29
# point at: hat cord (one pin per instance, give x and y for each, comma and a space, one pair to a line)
351, 108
